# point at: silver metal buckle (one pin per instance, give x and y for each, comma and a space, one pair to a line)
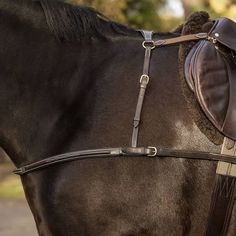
212, 40
144, 79
154, 152
148, 44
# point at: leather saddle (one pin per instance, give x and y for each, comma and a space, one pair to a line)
210, 71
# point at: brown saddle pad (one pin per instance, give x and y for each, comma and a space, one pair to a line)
210, 71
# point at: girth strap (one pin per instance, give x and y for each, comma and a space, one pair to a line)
144, 80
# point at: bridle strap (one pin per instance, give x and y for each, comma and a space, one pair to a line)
144, 80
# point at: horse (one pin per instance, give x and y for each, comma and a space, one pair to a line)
69, 81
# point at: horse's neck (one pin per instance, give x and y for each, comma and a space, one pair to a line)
22, 11
47, 87
41, 83
60, 97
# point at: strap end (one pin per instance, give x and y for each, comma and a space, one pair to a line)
19, 171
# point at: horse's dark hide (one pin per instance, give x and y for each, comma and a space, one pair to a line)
65, 95
197, 22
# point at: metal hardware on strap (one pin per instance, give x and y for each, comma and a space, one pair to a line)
144, 79
148, 44
223, 168
154, 151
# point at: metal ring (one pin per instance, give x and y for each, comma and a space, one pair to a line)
151, 42
145, 78
154, 152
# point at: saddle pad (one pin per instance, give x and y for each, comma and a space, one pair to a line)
211, 75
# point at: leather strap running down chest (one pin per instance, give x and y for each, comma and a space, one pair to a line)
144, 80
148, 44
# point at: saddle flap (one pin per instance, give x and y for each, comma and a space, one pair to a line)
224, 31
213, 80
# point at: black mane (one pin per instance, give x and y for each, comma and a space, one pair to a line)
72, 22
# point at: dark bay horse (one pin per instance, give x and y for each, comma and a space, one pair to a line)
69, 81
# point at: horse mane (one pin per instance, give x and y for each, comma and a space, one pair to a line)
72, 22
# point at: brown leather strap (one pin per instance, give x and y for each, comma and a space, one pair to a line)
123, 151
144, 80
181, 39
85, 154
